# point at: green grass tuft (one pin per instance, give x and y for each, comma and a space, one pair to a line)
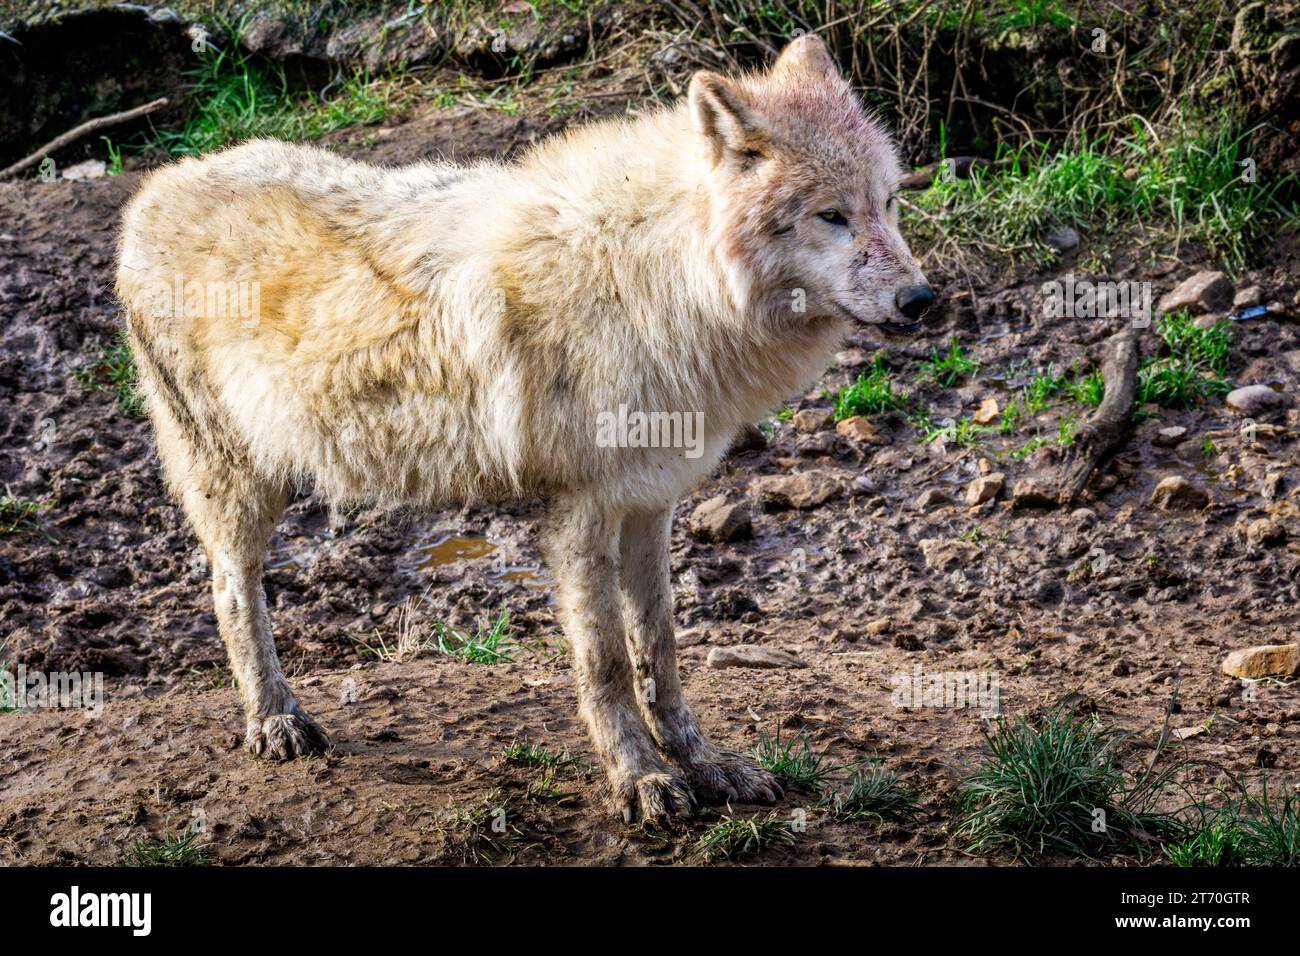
870, 394
794, 761
875, 795
1054, 784
114, 370
171, 851
949, 368
735, 838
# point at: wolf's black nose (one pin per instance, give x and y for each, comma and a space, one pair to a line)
913, 300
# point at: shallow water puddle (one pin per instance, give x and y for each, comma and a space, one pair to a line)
452, 549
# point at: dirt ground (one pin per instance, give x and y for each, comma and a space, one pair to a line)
113, 581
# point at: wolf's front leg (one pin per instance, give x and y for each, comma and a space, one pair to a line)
581, 546
715, 773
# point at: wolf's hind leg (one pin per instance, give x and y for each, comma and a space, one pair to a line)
716, 774
234, 513
581, 546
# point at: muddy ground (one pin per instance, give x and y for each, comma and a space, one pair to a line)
110, 579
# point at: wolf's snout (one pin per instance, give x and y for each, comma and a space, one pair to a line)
914, 300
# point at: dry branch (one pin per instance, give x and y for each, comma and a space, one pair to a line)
79, 131
924, 177
1102, 433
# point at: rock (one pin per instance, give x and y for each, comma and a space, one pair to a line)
987, 413
1203, 292
881, 625
1266, 660
852, 358
1184, 733
933, 498
1207, 321
1122, 668
858, 429
1033, 493
1084, 517
1169, 437
908, 642
721, 520
1245, 298
689, 637
807, 489
818, 445
944, 554
1274, 485
752, 655
1265, 533
985, 488
1063, 239
811, 420
1176, 493
1251, 400
749, 438
90, 169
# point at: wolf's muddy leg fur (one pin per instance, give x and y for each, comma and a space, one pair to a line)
716, 774
234, 514
580, 542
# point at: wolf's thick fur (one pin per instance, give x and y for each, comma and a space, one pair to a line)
433, 334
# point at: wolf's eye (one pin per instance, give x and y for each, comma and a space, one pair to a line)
833, 216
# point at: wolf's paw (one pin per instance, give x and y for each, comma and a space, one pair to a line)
719, 776
654, 797
285, 736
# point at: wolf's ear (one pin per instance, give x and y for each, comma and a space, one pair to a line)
723, 116
806, 56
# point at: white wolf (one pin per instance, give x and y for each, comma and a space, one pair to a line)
436, 333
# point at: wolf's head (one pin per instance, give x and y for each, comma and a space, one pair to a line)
805, 183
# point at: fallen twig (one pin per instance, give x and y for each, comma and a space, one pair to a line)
79, 131
1103, 431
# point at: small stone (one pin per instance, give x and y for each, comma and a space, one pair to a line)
811, 420
933, 498
1205, 291
807, 489
1032, 493
987, 412
1176, 493
944, 554
1265, 660
1274, 485
1062, 239
1183, 733
1207, 321
985, 488
818, 445
1084, 517
752, 655
1266, 533
881, 625
852, 358
1252, 400
721, 520
1169, 437
689, 637
1122, 668
861, 430
1245, 298
908, 642
90, 169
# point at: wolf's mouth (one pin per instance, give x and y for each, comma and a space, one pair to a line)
906, 327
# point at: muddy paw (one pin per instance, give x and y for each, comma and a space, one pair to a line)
285, 736
654, 797
724, 775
